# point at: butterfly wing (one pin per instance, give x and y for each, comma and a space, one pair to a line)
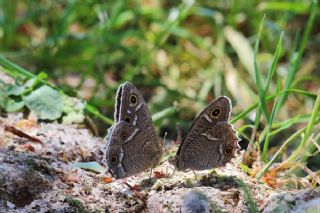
211, 141
141, 149
131, 107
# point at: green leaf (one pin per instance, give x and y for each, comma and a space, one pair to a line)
7, 103
46, 102
73, 118
12, 105
90, 166
16, 90
74, 110
295, 7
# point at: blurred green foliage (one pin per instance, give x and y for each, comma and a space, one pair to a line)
178, 53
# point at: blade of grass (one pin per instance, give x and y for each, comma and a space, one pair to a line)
270, 98
261, 91
297, 119
9, 9
273, 112
288, 123
14, 70
280, 150
181, 13
295, 61
302, 147
164, 113
275, 60
296, 58
94, 111
295, 7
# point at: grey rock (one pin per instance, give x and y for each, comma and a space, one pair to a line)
194, 201
23, 177
197, 199
299, 201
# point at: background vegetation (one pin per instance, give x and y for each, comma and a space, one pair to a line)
264, 55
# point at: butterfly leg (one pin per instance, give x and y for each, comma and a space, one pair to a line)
172, 168
195, 175
150, 177
179, 131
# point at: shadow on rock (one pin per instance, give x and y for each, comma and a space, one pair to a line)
23, 177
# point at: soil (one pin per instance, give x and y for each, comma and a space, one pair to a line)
41, 177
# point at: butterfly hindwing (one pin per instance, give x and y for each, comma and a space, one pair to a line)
211, 141
132, 145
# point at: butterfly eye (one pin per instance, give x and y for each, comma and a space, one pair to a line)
114, 159
133, 100
123, 135
215, 112
228, 151
127, 119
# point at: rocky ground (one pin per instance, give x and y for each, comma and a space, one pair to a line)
37, 174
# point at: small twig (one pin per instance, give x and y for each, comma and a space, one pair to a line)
135, 192
311, 173
21, 134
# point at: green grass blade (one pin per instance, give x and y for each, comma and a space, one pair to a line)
14, 70
94, 111
302, 146
295, 7
182, 12
270, 98
296, 59
261, 91
274, 62
164, 113
273, 112
280, 150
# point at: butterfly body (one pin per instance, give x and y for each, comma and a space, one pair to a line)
211, 141
131, 143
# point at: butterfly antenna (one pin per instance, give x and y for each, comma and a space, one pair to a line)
164, 137
179, 131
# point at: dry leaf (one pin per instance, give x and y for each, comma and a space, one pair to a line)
26, 124
107, 179
159, 174
136, 187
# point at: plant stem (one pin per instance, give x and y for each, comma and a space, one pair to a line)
302, 147
275, 156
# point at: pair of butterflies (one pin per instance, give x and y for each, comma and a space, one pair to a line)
132, 145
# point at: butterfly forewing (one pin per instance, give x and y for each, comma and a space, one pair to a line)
211, 141
132, 139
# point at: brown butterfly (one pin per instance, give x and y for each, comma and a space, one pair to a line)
211, 140
131, 144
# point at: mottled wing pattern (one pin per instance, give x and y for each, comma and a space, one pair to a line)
131, 142
211, 141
